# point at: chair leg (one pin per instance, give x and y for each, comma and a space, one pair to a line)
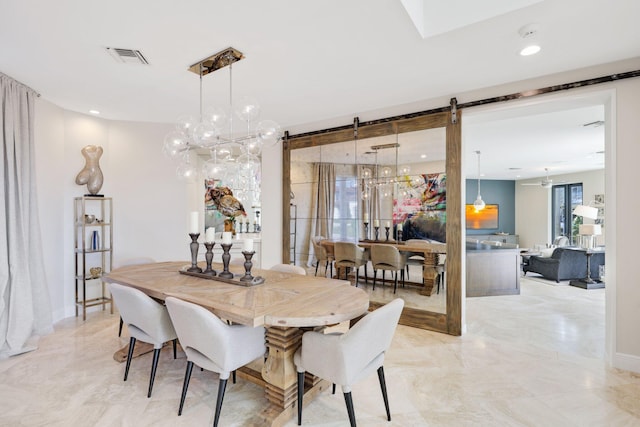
132, 344
402, 275
357, 274
383, 387
175, 346
120, 327
375, 274
383, 272
331, 269
233, 374
395, 281
154, 367
349, 401
300, 393
366, 278
333, 388
317, 264
326, 266
221, 388
185, 385
407, 268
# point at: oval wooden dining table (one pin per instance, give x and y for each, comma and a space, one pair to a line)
285, 304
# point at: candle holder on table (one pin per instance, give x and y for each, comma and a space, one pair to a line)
377, 229
226, 274
247, 266
209, 257
247, 227
366, 230
194, 253
386, 229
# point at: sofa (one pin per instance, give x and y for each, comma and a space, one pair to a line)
565, 263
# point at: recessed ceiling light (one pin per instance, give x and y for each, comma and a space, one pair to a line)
94, 112
529, 35
530, 50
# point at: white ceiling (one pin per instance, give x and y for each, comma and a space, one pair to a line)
312, 61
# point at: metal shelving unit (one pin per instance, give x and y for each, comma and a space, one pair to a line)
93, 241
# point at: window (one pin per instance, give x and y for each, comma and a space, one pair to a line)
345, 207
564, 200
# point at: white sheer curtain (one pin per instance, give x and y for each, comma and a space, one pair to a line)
322, 203
25, 308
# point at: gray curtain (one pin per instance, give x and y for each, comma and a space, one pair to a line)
322, 203
25, 308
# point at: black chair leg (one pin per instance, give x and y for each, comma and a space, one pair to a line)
326, 266
352, 415
221, 388
357, 274
175, 347
317, 264
333, 389
375, 274
154, 367
233, 374
120, 327
300, 394
395, 281
366, 277
383, 387
331, 269
132, 344
185, 386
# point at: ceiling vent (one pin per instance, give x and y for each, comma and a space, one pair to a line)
127, 56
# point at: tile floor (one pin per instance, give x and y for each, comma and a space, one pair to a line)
528, 360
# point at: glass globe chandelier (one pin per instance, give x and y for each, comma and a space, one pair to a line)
234, 156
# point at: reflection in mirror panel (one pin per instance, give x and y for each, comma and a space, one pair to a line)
385, 181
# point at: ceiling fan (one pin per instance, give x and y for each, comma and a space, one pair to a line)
545, 182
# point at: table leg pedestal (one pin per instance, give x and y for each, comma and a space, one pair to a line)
280, 375
430, 273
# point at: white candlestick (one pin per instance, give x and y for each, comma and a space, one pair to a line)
387, 224
226, 237
376, 223
248, 245
194, 226
365, 217
210, 235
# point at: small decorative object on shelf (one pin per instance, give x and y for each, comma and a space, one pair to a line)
377, 229
386, 229
194, 245
247, 266
366, 230
209, 257
226, 274
399, 232
95, 272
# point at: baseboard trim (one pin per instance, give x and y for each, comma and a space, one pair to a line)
627, 362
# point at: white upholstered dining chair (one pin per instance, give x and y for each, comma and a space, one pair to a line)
387, 257
322, 253
349, 255
345, 359
213, 345
131, 261
289, 268
147, 321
